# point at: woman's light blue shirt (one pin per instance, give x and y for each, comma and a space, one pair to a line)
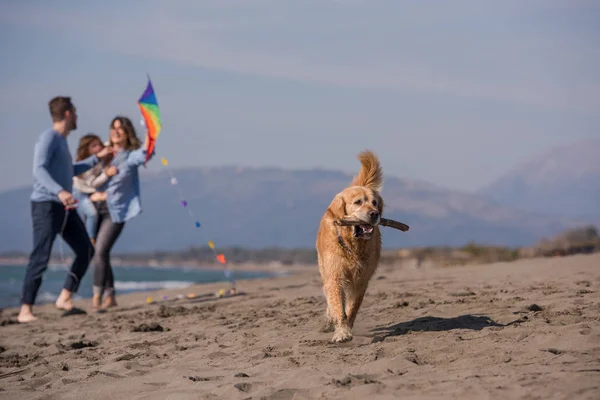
123, 189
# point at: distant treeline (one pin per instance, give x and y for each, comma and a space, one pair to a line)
572, 241
580, 240
233, 254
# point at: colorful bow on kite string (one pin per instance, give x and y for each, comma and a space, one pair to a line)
152, 121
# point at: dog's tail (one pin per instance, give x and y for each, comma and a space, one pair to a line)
370, 174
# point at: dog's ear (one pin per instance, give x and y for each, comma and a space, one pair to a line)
380, 204
337, 208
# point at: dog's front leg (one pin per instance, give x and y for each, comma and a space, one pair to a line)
353, 303
329, 324
335, 303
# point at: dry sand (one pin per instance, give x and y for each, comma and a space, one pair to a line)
523, 330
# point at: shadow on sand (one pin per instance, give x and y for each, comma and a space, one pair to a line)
437, 324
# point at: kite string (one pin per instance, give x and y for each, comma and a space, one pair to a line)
151, 120
221, 258
175, 182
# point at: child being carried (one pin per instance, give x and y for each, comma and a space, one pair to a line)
85, 185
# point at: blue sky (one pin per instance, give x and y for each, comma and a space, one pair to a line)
454, 93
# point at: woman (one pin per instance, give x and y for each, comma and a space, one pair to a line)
86, 184
120, 203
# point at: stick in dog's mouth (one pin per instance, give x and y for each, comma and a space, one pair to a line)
390, 223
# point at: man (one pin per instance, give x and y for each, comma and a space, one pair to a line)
53, 208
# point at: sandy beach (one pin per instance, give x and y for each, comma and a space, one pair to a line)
523, 330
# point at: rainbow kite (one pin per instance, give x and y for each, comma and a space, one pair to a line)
151, 113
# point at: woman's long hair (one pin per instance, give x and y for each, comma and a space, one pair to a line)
83, 151
133, 142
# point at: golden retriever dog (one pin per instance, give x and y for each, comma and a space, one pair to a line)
348, 255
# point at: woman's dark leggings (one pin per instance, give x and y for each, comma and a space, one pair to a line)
108, 233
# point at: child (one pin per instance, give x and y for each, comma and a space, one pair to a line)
85, 185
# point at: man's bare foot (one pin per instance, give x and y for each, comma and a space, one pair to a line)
93, 241
64, 301
109, 301
26, 314
24, 318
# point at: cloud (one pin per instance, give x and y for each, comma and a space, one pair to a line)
444, 50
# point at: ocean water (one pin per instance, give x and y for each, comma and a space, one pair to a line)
128, 279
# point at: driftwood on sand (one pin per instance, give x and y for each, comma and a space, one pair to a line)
390, 223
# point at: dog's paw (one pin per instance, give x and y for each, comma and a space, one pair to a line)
342, 335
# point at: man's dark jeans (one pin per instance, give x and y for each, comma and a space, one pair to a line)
50, 219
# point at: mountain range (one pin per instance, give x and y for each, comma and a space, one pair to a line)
270, 207
564, 180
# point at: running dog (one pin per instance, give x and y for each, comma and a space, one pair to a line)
348, 254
